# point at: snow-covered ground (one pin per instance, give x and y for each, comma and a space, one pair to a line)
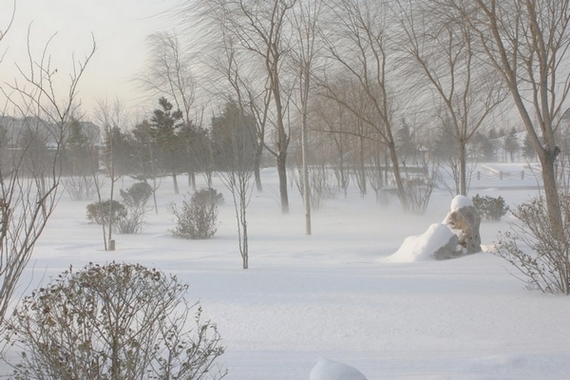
334, 295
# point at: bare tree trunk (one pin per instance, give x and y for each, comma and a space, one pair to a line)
282, 175
257, 169
527, 43
463, 166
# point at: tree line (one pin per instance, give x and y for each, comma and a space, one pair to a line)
377, 86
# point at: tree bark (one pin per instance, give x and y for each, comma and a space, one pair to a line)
282, 174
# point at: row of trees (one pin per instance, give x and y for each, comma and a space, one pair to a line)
342, 75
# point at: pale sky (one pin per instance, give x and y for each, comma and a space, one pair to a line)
120, 28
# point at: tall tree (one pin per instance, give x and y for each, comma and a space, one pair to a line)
249, 89
236, 142
527, 42
305, 21
444, 49
76, 149
360, 45
168, 73
165, 124
260, 28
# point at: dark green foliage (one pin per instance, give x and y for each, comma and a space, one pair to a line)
196, 219
99, 212
208, 196
137, 195
116, 321
135, 199
490, 208
128, 216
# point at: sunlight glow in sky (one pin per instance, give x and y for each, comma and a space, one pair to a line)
119, 28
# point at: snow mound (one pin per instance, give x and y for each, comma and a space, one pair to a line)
326, 369
422, 247
459, 202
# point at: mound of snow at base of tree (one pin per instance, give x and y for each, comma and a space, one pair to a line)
326, 369
422, 247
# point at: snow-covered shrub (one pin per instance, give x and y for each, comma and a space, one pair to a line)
533, 247
196, 218
116, 321
99, 212
490, 208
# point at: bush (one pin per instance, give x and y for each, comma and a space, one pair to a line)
490, 208
137, 195
196, 219
135, 199
99, 212
117, 321
547, 266
128, 217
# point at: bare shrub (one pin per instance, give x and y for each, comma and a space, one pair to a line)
419, 187
80, 188
117, 321
321, 184
540, 255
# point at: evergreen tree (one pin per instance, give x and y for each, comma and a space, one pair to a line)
407, 147
165, 124
528, 151
511, 143
78, 150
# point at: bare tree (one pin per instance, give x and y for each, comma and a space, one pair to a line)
445, 50
238, 152
8, 26
360, 45
28, 200
305, 19
331, 122
260, 28
110, 117
527, 42
168, 72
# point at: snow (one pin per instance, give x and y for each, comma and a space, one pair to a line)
459, 202
422, 247
332, 294
327, 369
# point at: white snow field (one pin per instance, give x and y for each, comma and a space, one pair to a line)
333, 294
